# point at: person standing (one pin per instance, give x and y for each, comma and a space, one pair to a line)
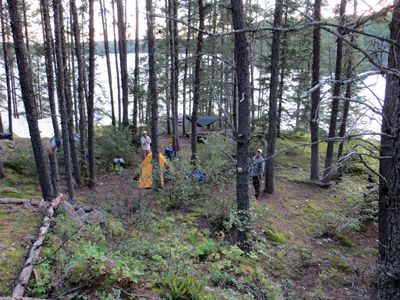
256, 171
145, 142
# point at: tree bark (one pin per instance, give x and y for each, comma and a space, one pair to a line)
243, 130
103, 13
389, 119
116, 64
185, 69
69, 102
123, 61
174, 70
7, 71
90, 100
81, 85
197, 82
153, 94
273, 99
335, 98
61, 99
136, 98
316, 94
28, 97
281, 77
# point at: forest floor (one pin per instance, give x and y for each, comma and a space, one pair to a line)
122, 242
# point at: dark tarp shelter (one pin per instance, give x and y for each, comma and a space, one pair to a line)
203, 121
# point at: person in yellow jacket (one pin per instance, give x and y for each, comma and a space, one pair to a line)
146, 168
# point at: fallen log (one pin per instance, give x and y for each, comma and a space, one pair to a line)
19, 201
34, 252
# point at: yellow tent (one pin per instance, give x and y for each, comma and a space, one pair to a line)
146, 179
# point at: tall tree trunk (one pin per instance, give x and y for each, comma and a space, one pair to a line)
14, 90
389, 118
61, 99
90, 100
136, 98
48, 52
68, 102
316, 94
116, 64
153, 93
185, 69
173, 90
176, 75
389, 169
123, 60
243, 130
168, 89
28, 96
281, 77
81, 85
7, 71
197, 82
273, 99
389, 287
335, 98
71, 65
103, 13
348, 93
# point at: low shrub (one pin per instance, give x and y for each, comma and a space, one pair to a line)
111, 143
182, 288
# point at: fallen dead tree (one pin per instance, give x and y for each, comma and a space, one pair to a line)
19, 201
34, 252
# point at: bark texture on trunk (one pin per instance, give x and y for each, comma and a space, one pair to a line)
335, 98
242, 58
103, 13
28, 97
90, 101
81, 86
123, 58
273, 99
7, 71
197, 81
61, 99
153, 94
316, 94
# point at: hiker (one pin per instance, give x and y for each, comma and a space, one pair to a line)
256, 171
145, 142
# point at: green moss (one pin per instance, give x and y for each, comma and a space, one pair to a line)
345, 241
276, 236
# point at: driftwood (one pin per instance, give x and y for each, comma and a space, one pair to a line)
19, 201
26, 271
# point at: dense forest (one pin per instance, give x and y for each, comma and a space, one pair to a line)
199, 149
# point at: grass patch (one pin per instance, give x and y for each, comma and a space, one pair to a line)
276, 236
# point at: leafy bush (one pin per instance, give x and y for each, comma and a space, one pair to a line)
111, 143
41, 286
368, 209
95, 268
219, 211
335, 224
182, 288
184, 191
216, 159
